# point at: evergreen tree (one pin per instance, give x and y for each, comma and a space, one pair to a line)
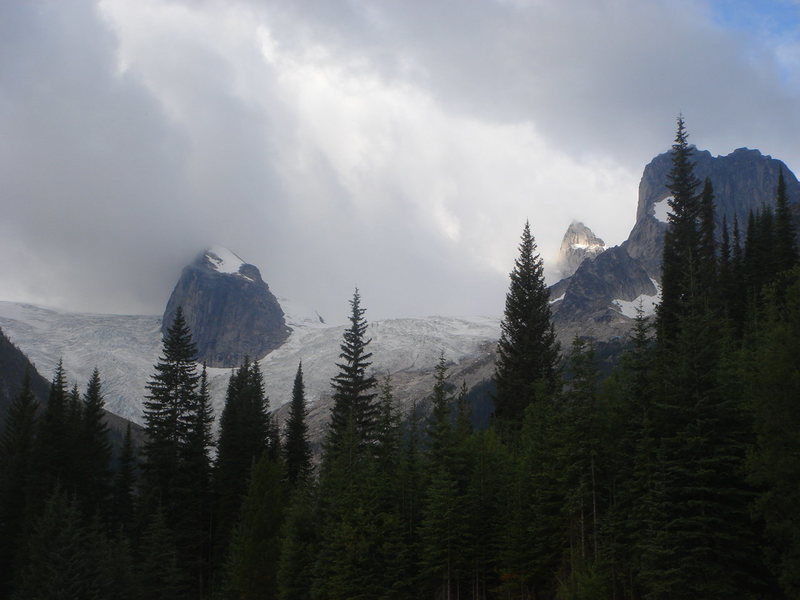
95, 449
252, 566
773, 384
298, 545
527, 352
681, 259
353, 396
157, 573
785, 239
168, 414
53, 447
243, 439
16, 469
707, 259
441, 439
193, 492
124, 484
66, 559
297, 450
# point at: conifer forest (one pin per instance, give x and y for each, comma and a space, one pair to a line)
674, 476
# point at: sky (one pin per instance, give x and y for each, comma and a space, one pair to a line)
394, 145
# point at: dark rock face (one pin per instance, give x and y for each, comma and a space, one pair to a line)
587, 307
230, 310
587, 302
578, 244
744, 180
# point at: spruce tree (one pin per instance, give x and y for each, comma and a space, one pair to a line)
193, 492
527, 352
95, 449
297, 451
168, 414
16, 471
124, 484
353, 396
785, 238
243, 440
253, 560
681, 258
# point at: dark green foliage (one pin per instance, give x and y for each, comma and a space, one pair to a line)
244, 437
192, 493
298, 545
16, 466
774, 389
252, 565
353, 396
296, 449
54, 448
157, 573
527, 352
95, 450
168, 414
680, 263
785, 236
67, 559
124, 484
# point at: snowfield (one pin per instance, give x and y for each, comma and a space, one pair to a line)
125, 348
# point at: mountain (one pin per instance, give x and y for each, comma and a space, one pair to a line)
125, 348
13, 366
600, 298
578, 244
231, 311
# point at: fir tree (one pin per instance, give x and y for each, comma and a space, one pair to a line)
168, 413
124, 484
157, 573
252, 566
681, 259
193, 492
243, 440
16, 470
297, 451
785, 238
95, 448
527, 352
441, 438
298, 545
353, 396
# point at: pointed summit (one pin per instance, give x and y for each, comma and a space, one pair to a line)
230, 310
579, 243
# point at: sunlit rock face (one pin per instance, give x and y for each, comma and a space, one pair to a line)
579, 243
230, 310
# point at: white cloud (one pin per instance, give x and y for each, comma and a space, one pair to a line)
399, 146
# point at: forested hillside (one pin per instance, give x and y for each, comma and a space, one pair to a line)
676, 476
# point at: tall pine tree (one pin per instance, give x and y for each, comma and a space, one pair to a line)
527, 352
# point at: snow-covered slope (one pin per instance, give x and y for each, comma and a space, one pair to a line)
125, 348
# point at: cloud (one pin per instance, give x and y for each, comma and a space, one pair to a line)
396, 146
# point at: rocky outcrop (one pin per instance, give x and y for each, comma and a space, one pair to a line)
598, 299
744, 180
591, 300
230, 310
578, 244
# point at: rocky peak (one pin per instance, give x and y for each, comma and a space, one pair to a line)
579, 243
743, 180
229, 308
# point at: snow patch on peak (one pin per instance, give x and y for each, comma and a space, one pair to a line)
661, 210
223, 260
648, 303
